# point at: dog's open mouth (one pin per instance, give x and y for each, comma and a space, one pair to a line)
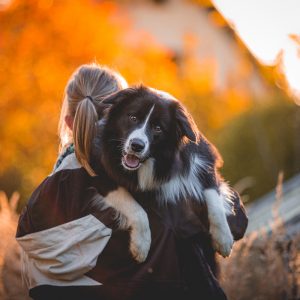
131, 162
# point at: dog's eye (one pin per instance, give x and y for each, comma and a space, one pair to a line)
133, 118
157, 129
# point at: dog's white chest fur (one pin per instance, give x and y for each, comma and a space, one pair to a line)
184, 186
180, 186
187, 186
146, 176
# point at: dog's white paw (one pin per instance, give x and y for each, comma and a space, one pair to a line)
140, 241
222, 239
139, 249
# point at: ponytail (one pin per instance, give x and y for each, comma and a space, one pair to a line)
84, 128
86, 87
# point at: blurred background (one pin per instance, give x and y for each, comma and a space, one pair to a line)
234, 64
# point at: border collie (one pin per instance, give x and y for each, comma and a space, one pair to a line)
147, 141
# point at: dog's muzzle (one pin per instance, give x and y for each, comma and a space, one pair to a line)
133, 155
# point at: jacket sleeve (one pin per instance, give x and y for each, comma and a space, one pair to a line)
61, 236
63, 253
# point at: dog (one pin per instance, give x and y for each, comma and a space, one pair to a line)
147, 142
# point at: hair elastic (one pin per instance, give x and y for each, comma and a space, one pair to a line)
90, 98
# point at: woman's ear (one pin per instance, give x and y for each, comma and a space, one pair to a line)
185, 125
69, 121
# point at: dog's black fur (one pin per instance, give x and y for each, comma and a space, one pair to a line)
180, 164
172, 149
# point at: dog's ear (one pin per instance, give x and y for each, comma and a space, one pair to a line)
106, 104
185, 125
102, 109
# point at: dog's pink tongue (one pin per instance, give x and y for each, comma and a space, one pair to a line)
132, 161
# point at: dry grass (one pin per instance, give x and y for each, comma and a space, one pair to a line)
11, 287
264, 266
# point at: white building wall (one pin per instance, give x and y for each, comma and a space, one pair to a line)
173, 20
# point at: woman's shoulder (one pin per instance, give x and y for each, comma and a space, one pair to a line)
58, 199
66, 151
68, 162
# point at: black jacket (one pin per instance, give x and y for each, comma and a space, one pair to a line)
73, 251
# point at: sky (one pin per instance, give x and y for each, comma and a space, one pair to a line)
266, 26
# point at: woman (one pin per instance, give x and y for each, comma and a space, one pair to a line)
73, 248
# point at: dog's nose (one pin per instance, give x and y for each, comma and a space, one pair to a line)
137, 145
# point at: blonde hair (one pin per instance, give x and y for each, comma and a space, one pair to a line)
87, 85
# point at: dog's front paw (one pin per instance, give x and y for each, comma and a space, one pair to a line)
140, 241
222, 239
140, 248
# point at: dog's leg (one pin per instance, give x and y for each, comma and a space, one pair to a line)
136, 219
219, 228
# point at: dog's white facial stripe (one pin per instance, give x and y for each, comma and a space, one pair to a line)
140, 134
148, 117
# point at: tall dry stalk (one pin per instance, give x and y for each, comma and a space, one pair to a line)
264, 266
11, 287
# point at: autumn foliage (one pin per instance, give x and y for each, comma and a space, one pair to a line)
43, 41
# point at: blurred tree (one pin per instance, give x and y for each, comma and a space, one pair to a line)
41, 44
261, 143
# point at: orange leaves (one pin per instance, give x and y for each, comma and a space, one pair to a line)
43, 41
